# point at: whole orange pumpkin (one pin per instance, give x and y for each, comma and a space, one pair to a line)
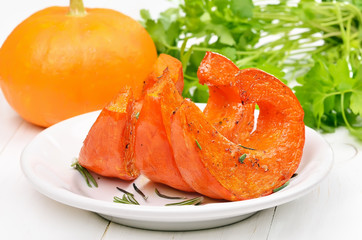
61, 62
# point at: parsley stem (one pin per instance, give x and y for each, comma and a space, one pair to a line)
343, 112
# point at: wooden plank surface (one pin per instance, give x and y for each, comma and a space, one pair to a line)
253, 228
25, 213
332, 211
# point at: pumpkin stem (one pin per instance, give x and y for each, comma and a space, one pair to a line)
76, 8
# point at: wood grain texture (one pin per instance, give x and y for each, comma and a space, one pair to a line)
25, 213
332, 211
253, 228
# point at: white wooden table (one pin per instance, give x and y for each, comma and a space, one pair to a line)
332, 211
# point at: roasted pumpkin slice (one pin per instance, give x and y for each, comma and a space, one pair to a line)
280, 127
174, 67
216, 167
208, 161
108, 149
224, 110
175, 73
154, 154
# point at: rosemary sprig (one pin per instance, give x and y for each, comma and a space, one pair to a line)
198, 144
242, 158
137, 115
193, 201
128, 198
281, 187
124, 191
139, 192
165, 196
246, 147
84, 172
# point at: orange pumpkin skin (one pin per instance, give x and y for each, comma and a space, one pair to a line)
54, 66
108, 149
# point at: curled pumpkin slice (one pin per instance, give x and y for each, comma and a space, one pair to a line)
224, 110
109, 146
218, 168
154, 153
280, 128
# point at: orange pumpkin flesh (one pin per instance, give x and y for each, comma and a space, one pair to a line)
55, 65
154, 154
204, 157
210, 163
224, 109
174, 67
109, 146
178, 145
175, 73
280, 124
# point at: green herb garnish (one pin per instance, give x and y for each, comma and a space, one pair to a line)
139, 191
137, 115
281, 187
128, 198
246, 147
124, 191
198, 144
193, 201
318, 43
85, 173
165, 196
242, 158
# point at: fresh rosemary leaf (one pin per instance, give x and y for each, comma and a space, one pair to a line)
139, 191
198, 144
126, 199
165, 196
281, 187
124, 191
137, 115
246, 147
85, 173
193, 201
242, 158
90, 177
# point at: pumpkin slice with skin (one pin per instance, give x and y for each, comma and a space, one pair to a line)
207, 160
154, 153
108, 149
224, 110
175, 73
217, 167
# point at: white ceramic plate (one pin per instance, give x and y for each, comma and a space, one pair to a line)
46, 163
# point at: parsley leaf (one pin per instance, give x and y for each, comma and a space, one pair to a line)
317, 43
